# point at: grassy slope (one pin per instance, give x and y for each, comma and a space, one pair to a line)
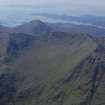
43, 67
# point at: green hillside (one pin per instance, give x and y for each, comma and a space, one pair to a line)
38, 70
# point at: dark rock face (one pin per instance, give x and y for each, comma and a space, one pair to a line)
92, 70
18, 42
7, 88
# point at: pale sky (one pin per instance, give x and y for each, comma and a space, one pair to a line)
64, 3
83, 5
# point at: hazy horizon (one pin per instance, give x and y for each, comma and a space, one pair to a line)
19, 11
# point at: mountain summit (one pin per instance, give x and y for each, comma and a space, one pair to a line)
35, 27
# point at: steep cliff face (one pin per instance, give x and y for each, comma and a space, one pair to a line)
17, 44
39, 68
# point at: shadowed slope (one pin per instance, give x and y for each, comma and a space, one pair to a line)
41, 69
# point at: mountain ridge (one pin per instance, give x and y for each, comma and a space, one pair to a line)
52, 68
